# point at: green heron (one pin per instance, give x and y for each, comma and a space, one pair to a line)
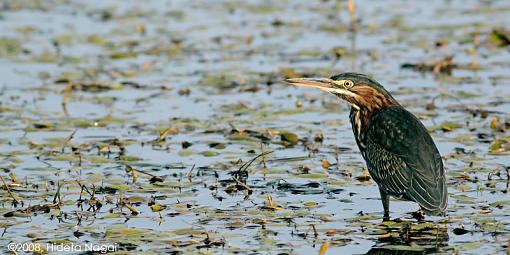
400, 155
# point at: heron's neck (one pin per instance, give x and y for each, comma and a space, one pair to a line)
358, 119
361, 117
369, 101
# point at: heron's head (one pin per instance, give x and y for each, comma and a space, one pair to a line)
359, 90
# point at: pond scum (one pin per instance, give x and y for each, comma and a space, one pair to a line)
164, 126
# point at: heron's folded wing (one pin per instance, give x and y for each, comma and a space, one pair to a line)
409, 162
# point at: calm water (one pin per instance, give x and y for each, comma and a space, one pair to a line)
211, 71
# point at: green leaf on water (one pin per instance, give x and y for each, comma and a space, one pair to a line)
289, 137
129, 158
464, 187
112, 216
209, 153
98, 159
10, 47
157, 207
389, 223
361, 218
500, 204
463, 94
136, 199
499, 37
121, 55
17, 214
448, 126
190, 232
83, 123
119, 187
468, 246
218, 146
242, 137
410, 248
422, 226
125, 232
64, 158
186, 152
310, 204
42, 125
312, 176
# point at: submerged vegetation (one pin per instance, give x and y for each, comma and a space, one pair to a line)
165, 127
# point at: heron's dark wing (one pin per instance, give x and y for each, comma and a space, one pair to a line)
404, 159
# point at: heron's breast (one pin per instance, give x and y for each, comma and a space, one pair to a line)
358, 128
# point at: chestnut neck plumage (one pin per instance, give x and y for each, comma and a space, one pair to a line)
367, 102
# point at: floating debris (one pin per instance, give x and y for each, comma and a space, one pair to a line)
444, 65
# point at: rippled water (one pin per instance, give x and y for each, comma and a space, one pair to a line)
210, 72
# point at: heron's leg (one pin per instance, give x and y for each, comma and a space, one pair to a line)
419, 215
385, 198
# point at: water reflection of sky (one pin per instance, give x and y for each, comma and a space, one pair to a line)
214, 39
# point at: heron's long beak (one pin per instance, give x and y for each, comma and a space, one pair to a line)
319, 83
325, 84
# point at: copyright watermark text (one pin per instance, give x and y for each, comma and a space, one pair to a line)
62, 247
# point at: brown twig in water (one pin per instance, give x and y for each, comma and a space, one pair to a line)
71, 136
351, 6
143, 172
124, 203
134, 175
83, 187
264, 165
67, 92
324, 248
247, 164
13, 178
271, 205
190, 173
132, 209
241, 184
57, 194
508, 249
165, 133
9, 190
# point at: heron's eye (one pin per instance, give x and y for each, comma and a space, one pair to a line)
348, 84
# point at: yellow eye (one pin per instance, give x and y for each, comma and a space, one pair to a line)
348, 84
